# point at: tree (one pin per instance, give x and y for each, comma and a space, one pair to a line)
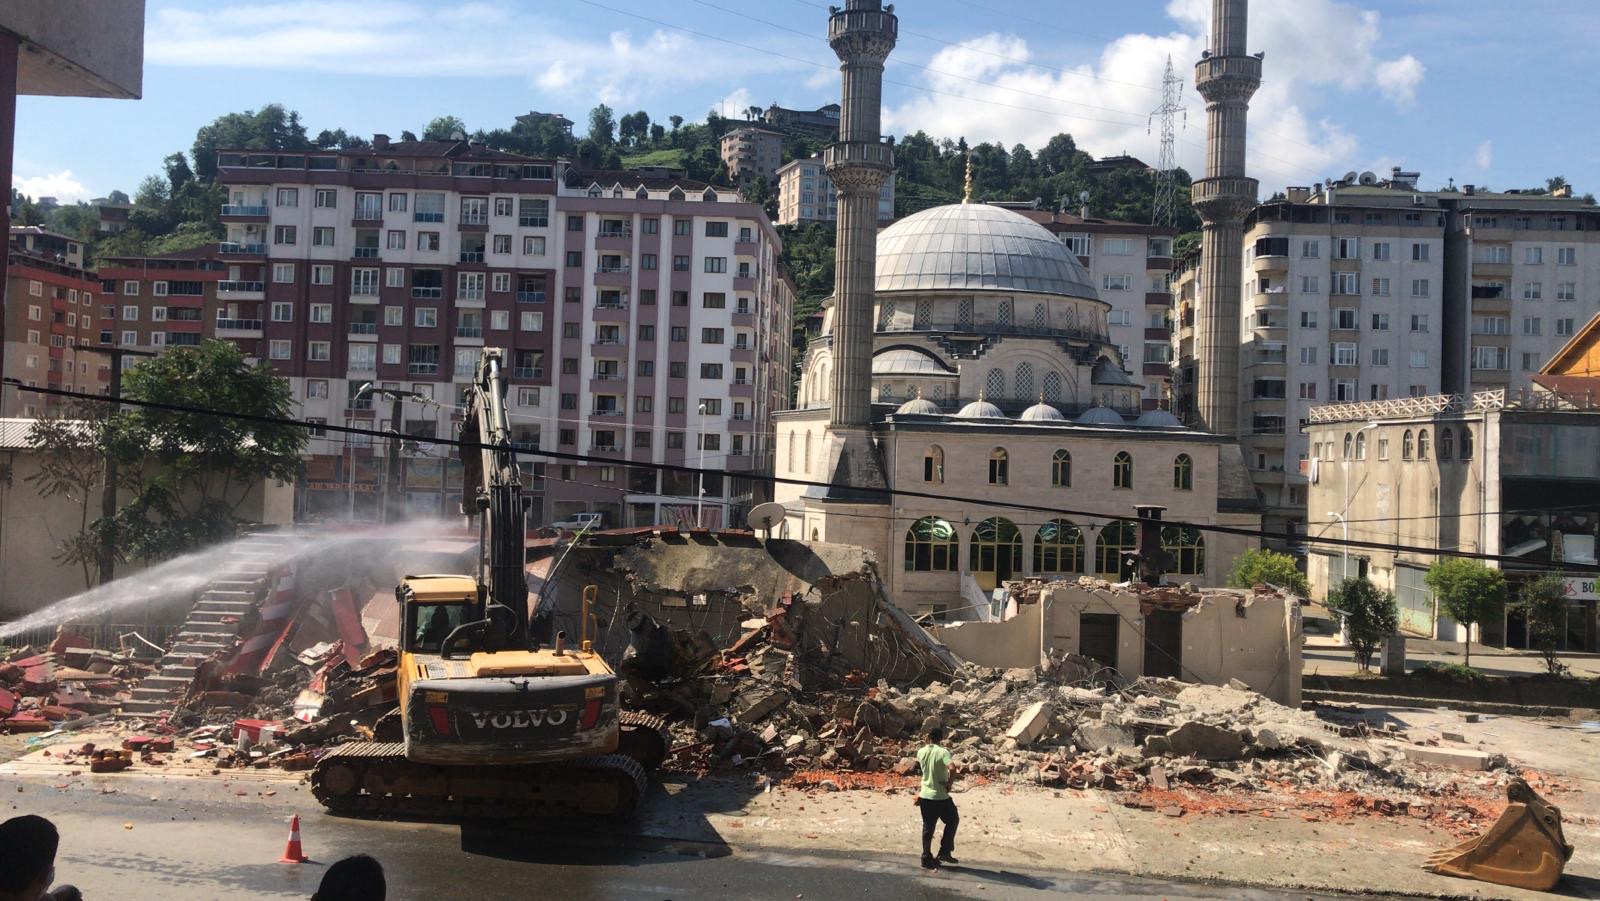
1264, 567
676, 121
72, 466
188, 473
602, 126
1469, 592
270, 128
634, 128
1543, 603
1552, 184
657, 134
338, 139
407, 134
444, 128
118, 197
1369, 615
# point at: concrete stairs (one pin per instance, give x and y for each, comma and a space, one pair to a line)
226, 606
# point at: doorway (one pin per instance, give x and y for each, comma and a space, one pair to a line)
1163, 644
1097, 637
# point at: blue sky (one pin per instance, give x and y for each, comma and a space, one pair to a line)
1476, 90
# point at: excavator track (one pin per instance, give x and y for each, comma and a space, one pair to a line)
375, 779
644, 738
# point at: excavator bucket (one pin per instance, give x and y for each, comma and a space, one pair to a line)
1524, 848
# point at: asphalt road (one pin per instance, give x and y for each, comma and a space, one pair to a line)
194, 839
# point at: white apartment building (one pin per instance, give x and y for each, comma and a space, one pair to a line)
806, 194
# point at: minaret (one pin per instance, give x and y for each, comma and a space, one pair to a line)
1226, 77
861, 34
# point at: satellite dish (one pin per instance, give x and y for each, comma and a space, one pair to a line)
766, 516
458, 135
1350, 177
1368, 178
1083, 196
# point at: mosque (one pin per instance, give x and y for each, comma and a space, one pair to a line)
983, 370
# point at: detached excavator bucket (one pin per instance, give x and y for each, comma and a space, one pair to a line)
1525, 848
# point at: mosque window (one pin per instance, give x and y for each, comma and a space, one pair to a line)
791, 450
1361, 445
931, 546
1422, 445
995, 385
1052, 387
1041, 316
886, 394
1024, 380
808, 451
1466, 444
1183, 473
1058, 548
1007, 313
996, 547
1061, 469
1187, 546
1447, 444
924, 314
885, 315
1117, 539
1405, 445
1122, 470
964, 313
1349, 442
999, 467
933, 464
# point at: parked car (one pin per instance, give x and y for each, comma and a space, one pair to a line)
581, 522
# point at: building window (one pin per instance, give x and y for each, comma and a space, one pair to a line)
322, 313
502, 244
1422, 445
318, 351
322, 236
1117, 539
1405, 445
1061, 469
1183, 473
1447, 444
1058, 548
999, 466
1117, 282
933, 464
1466, 444
278, 350
289, 197
716, 264
1533, 256
931, 544
283, 234
996, 547
1122, 470
1187, 546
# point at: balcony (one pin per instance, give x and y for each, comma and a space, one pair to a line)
240, 287
1157, 261
533, 221
1481, 269
617, 268
364, 295
615, 340
363, 328
530, 297
365, 253
471, 256
528, 372
605, 411
420, 216
239, 328
475, 218
358, 404
367, 213
237, 247
422, 368
244, 209
611, 304
469, 331
427, 293
607, 376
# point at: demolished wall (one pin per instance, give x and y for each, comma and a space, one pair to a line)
1253, 636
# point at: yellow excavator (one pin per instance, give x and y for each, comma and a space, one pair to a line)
494, 720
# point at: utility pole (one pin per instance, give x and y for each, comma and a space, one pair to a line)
392, 507
108, 487
1163, 212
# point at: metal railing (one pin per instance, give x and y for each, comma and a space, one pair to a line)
474, 218
366, 253
100, 635
243, 209
363, 328
528, 372
422, 368
533, 221
624, 232
611, 304
471, 256
427, 293
469, 331
239, 325
427, 217
610, 339
530, 297
621, 268
367, 213
237, 247
230, 287
608, 376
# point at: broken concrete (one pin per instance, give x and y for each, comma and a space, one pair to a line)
1196, 739
1030, 724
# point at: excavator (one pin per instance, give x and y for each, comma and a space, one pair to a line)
494, 719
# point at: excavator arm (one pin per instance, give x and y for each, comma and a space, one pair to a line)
492, 491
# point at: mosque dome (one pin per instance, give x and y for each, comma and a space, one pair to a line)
1100, 416
1157, 419
908, 361
918, 406
981, 409
1042, 412
975, 246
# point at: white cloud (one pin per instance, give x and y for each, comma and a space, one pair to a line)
569, 58
1314, 50
60, 185
734, 105
1483, 157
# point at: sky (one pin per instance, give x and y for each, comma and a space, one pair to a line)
1478, 91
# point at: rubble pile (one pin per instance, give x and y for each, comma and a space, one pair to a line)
68, 682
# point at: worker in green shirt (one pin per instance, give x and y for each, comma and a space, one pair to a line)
934, 799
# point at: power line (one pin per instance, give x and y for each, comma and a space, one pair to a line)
804, 483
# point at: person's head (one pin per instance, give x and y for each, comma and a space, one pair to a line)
935, 734
356, 878
27, 857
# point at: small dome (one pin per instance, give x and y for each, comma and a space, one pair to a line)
903, 361
1157, 419
981, 409
1109, 373
1042, 412
918, 406
1100, 416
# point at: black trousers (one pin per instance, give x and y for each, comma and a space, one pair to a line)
932, 813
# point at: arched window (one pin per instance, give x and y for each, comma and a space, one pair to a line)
1116, 539
931, 546
617, 192
1052, 387
1405, 445
1349, 443
710, 196
1122, 470
924, 315
1361, 445
933, 464
791, 450
885, 315
1422, 445
808, 450
1183, 472
1466, 444
996, 547
1006, 314
594, 191
675, 194
999, 467
995, 385
1058, 548
1186, 544
886, 394
641, 194
964, 313
1041, 316
1447, 444
1061, 469
1024, 381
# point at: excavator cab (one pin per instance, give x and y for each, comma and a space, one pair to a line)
434, 607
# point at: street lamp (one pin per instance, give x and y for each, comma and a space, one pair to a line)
700, 478
350, 459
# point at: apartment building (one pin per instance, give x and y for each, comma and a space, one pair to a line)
752, 153
821, 123
392, 266
1128, 264
49, 317
176, 300
807, 195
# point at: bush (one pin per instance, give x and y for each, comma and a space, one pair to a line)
1469, 592
1450, 672
1263, 567
1369, 615
1543, 603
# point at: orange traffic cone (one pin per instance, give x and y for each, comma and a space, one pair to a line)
292, 852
